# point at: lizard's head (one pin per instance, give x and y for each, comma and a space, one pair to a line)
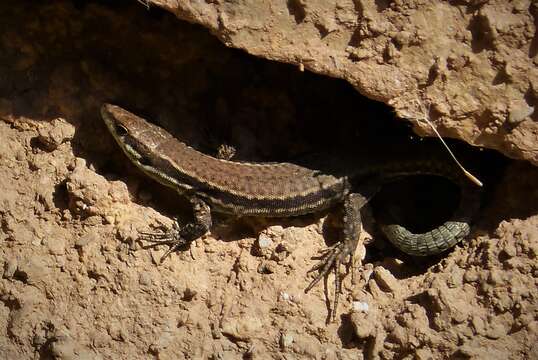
121, 123
136, 136
148, 146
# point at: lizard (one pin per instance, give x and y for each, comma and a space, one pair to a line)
285, 189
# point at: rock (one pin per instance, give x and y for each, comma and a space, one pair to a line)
89, 237
242, 328
56, 133
286, 340
379, 60
360, 306
386, 280
10, 266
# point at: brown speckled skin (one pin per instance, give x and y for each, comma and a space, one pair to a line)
284, 189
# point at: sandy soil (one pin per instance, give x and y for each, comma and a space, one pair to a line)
75, 283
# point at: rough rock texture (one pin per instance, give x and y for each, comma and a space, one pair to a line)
76, 284
468, 66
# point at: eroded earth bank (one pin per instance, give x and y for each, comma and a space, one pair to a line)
76, 284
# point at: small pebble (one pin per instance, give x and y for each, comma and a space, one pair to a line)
10, 267
144, 278
286, 340
86, 239
385, 279
56, 246
285, 296
264, 241
518, 112
360, 306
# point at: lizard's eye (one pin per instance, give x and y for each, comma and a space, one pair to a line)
121, 130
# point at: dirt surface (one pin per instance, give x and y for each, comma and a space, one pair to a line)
470, 66
75, 283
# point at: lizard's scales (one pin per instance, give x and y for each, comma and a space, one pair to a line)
283, 189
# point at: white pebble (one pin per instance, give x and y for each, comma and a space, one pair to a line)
360, 306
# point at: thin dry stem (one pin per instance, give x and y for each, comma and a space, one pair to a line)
424, 112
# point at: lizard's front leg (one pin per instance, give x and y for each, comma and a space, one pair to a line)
337, 254
181, 235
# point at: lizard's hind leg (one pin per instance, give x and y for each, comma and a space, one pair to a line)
334, 256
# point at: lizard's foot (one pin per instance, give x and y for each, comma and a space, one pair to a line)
331, 259
225, 152
181, 235
171, 237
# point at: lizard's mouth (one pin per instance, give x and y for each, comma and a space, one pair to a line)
133, 154
121, 135
134, 149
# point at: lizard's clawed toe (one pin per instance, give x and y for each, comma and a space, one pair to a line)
171, 238
331, 259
